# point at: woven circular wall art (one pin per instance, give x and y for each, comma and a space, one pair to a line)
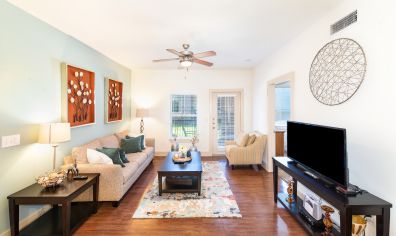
337, 71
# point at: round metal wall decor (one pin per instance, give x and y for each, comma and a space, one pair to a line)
337, 71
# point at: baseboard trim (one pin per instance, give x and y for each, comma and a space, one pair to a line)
29, 219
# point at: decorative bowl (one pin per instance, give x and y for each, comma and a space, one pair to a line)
179, 159
51, 179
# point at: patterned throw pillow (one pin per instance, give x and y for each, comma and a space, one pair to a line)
122, 154
251, 139
131, 145
113, 154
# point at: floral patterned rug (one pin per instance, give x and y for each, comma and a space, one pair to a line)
216, 200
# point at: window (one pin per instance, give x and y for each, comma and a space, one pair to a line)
184, 115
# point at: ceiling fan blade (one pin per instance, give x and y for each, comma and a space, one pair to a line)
205, 54
174, 52
170, 59
202, 62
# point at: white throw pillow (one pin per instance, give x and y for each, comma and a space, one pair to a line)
95, 157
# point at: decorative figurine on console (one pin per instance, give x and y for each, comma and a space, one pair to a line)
327, 220
290, 190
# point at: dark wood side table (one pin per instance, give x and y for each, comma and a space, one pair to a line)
59, 220
192, 169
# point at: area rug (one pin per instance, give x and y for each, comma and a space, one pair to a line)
216, 200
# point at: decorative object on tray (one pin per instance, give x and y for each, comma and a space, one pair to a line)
178, 157
113, 104
194, 140
359, 224
54, 133
142, 113
78, 96
51, 179
327, 220
290, 191
337, 71
175, 145
183, 151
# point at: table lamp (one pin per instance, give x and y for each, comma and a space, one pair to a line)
142, 112
54, 133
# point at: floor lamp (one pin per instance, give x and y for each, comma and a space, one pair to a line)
54, 133
142, 113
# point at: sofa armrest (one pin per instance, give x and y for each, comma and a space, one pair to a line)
110, 180
150, 142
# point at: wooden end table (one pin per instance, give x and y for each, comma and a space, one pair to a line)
192, 169
56, 221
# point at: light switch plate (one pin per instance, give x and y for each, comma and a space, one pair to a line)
10, 140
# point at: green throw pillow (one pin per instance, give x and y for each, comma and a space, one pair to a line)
113, 154
131, 145
122, 154
141, 136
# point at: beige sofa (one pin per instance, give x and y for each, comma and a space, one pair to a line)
246, 155
115, 180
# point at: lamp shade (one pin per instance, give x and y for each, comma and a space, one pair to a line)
54, 133
142, 112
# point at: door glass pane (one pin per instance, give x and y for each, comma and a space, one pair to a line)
225, 120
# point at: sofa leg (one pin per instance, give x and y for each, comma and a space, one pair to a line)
115, 204
255, 167
232, 167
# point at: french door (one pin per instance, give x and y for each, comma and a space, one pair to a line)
226, 118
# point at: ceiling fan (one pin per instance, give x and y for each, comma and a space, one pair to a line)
186, 58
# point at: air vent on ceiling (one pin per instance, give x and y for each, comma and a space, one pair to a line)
344, 22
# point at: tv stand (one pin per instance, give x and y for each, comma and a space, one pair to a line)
363, 203
311, 174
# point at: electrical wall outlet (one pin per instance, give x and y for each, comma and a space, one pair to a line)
10, 140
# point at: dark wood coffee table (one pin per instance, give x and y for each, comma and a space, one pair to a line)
62, 220
181, 178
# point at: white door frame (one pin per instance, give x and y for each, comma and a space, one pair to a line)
289, 77
212, 93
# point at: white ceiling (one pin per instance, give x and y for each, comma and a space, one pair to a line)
134, 32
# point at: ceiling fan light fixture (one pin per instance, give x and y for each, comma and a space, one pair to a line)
185, 63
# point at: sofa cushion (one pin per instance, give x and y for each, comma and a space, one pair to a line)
129, 171
80, 153
131, 145
138, 157
242, 140
113, 154
149, 151
110, 141
121, 135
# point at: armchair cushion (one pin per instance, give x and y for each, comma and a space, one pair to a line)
242, 140
251, 139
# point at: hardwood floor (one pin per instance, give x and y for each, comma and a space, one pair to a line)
253, 193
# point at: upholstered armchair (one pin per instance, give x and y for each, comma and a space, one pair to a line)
247, 150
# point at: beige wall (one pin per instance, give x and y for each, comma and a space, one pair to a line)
30, 56
153, 89
369, 115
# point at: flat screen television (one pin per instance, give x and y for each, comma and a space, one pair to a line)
320, 149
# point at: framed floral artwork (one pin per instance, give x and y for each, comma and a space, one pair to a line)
113, 103
78, 96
